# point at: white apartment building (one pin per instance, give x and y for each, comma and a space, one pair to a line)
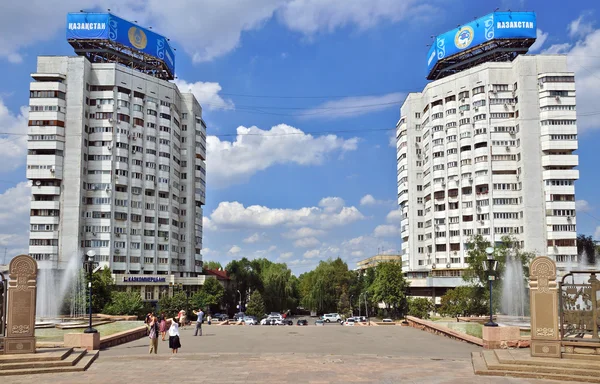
491, 151
116, 159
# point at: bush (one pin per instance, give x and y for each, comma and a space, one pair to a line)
420, 307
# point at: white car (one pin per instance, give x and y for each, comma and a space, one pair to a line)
329, 317
249, 320
349, 322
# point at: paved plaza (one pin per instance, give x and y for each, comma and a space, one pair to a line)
292, 354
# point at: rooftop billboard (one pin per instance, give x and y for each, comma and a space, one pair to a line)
106, 26
495, 26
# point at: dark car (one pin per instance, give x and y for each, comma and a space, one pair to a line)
220, 317
302, 322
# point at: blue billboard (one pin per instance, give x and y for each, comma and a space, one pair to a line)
106, 26
495, 26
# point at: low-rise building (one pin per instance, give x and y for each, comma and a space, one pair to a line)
374, 260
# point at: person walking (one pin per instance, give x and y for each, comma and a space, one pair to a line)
163, 326
209, 319
182, 318
199, 321
174, 342
153, 335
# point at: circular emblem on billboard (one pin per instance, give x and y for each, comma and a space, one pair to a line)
464, 37
137, 38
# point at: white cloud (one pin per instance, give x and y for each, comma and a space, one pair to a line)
581, 26
393, 141
584, 59
583, 206
557, 49
386, 230
235, 215
597, 233
313, 16
286, 255
14, 220
207, 224
255, 150
307, 242
14, 147
357, 253
206, 93
234, 250
355, 106
394, 216
312, 254
370, 200
303, 232
539, 42
255, 238
331, 204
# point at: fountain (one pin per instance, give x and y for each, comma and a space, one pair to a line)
514, 292
55, 286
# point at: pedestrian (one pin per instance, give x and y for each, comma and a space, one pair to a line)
199, 321
182, 318
174, 342
147, 321
153, 335
163, 326
208, 319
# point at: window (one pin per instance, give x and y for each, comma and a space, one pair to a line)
478, 90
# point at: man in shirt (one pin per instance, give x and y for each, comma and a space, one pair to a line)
199, 322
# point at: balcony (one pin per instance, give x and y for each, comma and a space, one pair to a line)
558, 174
560, 161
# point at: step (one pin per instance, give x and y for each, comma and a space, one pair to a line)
52, 354
70, 360
82, 365
522, 357
494, 364
480, 368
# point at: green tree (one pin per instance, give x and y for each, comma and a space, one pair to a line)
172, 305
127, 303
103, 286
320, 289
420, 307
209, 296
464, 301
256, 305
212, 265
586, 245
390, 287
343, 307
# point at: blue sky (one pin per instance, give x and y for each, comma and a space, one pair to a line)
301, 98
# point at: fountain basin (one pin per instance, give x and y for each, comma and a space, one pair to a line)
57, 334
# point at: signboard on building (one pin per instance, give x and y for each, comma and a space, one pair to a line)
144, 279
495, 26
106, 26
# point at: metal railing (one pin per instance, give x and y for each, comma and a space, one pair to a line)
579, 307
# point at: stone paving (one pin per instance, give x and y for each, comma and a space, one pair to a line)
330, 354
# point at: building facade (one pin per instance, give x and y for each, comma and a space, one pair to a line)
116, 159
372, 261
489, 150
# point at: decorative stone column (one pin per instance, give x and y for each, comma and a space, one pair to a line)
22, 289
543, 291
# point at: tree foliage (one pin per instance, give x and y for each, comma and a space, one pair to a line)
103, 286
322, 288
208, 297
420, 307
256, 305
212, 265
464, 301
390, 287
172, 305
587, 247
127, 303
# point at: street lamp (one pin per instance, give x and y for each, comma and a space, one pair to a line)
240, 305
490, 265
351, 309
88, 266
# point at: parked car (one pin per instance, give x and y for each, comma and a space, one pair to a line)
361, 319
302, 322
329, 317
219, 317
272, 320
388, 320
249, 320
320, 322
239, 316
349, 322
